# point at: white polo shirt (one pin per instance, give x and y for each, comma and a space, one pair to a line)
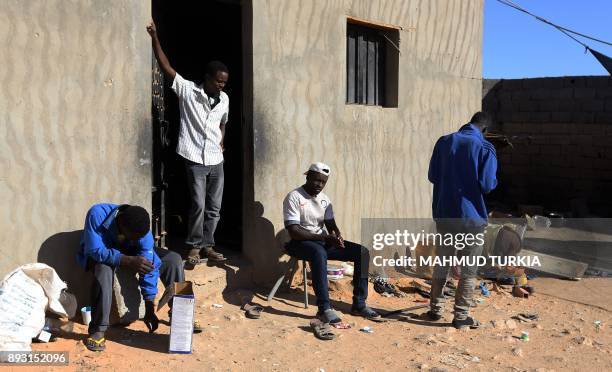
310, 212
199, 135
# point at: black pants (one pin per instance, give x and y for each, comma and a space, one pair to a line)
170, 271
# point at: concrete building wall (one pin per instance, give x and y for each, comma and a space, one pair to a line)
379, 156
561, 129
75, 125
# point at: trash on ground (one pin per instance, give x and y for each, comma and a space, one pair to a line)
341, 325
25, 294
526, 317
519, 292
382, 286
484, 290
366, 329
217, 306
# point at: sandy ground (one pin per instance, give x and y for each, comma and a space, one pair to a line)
565, 337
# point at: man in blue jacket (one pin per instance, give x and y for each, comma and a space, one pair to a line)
120, 235
462, 169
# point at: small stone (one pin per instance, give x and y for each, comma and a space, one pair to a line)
498, 324
422, 366
517, 351
438, 369
581, 340
397, 344
537, 326
511, 324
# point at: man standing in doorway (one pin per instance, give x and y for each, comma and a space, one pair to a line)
204, 112
462, 169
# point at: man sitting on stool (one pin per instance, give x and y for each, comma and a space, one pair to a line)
315, 237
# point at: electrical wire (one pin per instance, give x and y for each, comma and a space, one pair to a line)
564, 30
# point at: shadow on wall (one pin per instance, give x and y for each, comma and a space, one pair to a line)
271, 247
59, 251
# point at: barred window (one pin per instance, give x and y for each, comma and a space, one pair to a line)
371, 65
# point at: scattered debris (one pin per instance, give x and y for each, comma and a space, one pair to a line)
517, 351
453, 360
525, 336
366, 329
597, 324
341, 325
582, 340
382, 286
526, 317
519, 292
484, 290
217, 306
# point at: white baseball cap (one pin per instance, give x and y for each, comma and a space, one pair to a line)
319, 168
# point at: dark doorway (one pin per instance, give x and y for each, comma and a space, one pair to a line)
193, 33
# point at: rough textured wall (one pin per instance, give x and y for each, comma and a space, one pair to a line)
379, 156
561, 129
75, 125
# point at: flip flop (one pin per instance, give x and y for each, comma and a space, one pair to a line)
321, 330
193, 261
368, 313
95, 345
252, 311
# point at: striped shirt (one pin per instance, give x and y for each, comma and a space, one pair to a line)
199, 135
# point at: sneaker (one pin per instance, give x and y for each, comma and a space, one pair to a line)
467, 322
328, 316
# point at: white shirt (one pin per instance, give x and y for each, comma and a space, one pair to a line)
310, 212
199, 135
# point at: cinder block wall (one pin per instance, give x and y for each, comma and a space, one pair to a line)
561, 129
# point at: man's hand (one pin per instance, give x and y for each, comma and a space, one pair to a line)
334, 241
222, 146
164, 64
150, 319
151, 29
137, 263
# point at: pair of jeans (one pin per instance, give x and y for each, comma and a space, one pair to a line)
170, 271
206, 190
465, 288
317, 253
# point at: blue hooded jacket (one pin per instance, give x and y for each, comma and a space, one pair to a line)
99, 244
462, 168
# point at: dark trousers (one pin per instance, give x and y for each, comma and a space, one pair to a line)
206, 189
170, 271
317, 253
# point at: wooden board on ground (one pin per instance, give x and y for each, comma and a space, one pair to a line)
556, 265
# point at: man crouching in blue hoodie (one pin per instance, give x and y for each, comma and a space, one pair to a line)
462, 169
120, 235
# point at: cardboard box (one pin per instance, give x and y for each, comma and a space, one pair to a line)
181, 327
